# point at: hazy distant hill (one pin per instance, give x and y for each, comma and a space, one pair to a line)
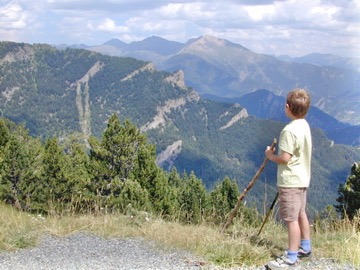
218, 67
57, 92
154, 49
265, 104
325, 60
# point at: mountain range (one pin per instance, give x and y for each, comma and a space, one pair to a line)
221, 68
74, 91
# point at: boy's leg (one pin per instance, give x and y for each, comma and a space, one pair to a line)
294, 234
305, 244
304, 226
303, 219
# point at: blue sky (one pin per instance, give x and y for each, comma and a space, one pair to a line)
291, 27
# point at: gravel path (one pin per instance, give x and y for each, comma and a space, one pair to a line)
83, 251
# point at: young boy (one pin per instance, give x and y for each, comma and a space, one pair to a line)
293, 178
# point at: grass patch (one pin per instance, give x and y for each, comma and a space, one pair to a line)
239, 246
17, 229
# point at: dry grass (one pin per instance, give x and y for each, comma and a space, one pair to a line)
239, 246
340, 240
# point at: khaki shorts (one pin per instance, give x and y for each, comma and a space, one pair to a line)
292, 202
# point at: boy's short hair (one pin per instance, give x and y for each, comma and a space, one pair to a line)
298, 101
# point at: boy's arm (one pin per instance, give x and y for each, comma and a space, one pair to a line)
283, 158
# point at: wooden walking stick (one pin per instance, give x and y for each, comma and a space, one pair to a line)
249, 186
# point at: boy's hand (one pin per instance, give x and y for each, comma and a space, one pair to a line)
269, 152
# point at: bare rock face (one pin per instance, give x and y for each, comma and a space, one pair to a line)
160, 118
177, 79
150, 67
241, 114
169, 155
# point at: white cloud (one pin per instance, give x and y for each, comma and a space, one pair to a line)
12, 16
260, 13
110, 26
196, 11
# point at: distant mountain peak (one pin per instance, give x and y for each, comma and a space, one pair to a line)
207, 41
214, 48
116, 43
155, 38
156, 44
212, 39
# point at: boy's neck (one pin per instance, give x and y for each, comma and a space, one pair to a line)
292, 117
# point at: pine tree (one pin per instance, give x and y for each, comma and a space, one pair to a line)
153, 179
83, 197
133, 196
55, 190
175, 179
223, 198
176, 185
349, 199
193, 199
115, 155
4, 133
4, 138
20, 167
123, 143
123, 154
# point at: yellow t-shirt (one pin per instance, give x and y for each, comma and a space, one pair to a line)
295, 139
